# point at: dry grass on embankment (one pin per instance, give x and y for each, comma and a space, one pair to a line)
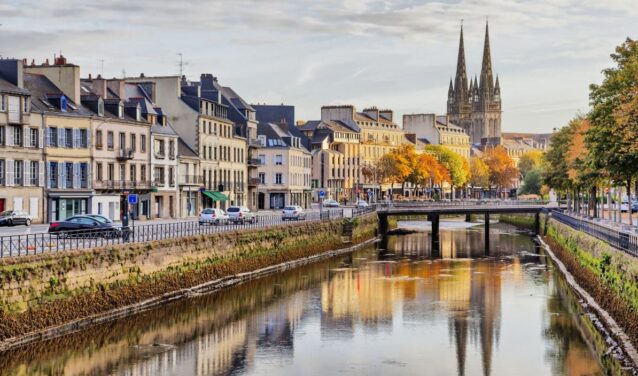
269, 247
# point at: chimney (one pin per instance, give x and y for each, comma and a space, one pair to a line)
117, 86
63, 75
387, 113
13, 71
99, 86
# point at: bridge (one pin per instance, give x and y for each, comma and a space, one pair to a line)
434, 211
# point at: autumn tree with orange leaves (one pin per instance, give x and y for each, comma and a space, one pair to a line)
503, 171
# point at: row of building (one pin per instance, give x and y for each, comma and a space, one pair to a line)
72, 145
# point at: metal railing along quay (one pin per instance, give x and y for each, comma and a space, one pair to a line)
625, 240
23, 245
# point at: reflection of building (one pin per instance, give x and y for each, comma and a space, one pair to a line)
215, 352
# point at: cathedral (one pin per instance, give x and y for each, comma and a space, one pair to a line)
475, 105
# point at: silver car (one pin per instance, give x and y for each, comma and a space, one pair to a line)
293, 212
15, 217
330, 203
241, 215
213, 217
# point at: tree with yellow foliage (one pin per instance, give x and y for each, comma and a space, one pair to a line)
503, 171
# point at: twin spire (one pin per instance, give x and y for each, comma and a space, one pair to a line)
484, 87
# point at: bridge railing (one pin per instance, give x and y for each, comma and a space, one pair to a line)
463, 203
625, 240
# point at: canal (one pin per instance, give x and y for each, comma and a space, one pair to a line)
393, 309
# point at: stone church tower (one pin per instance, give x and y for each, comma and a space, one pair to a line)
475, 106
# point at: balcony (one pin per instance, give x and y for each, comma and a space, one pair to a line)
124, 154
253, 182
171, 156
160, 155
120, 185
254, 162
159, 183
191, 180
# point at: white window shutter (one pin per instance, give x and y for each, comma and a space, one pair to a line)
41, 173
76, 175
88, 175
61, 175
26, 136
26, 169
47, 134
9, 135
9, 177
88, 138
40, 137
61, 135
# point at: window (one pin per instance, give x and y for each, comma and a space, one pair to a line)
159, 149
143, 143
133, 172
171, 149
84, 175
17, 136
262, 178
3, 103
278, 178
33, 137
100, 107
133, 142
171, 177
143, 172
84, 138
120, 110
53, 136
68, 135
35, 174
122, 140
110, 172
109, 140
122, 172
53, 174
69, 175
2, 169
159, 176
98, 139
2, 134
17, 172
279, 159
25, 104
98, 171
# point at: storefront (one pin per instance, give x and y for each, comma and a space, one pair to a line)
62, 205
214, 199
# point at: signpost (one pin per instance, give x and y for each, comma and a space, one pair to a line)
132, 200
321, 196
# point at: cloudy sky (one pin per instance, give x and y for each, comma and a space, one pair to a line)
396, 54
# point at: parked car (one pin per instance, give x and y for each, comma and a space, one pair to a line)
213, 217
361, 204
330, 203
15, 217
100, 218
293, 212
240, 214
84, 226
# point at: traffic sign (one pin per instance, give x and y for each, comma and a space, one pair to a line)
132, 199
322, 193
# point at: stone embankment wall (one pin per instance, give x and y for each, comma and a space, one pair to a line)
42, 291
609, 275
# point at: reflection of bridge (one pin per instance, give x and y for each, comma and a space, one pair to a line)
435, 211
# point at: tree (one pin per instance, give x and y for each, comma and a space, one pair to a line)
612, 139
479, 172
531, 183
503, 172
456, 165
556, 170
529, 161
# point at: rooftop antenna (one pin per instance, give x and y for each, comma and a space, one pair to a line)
181, 64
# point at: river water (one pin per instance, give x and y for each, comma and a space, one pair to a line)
389, 309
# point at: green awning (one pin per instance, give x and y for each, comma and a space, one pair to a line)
216, 196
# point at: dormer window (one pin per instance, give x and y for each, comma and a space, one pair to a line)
100, 107
120, 110
25, 105
138, 113
63, 104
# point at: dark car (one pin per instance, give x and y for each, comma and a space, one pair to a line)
15, 217
84, 226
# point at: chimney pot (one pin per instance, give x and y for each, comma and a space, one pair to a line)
141, 75
90, 76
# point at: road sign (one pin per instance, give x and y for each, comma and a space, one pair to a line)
322, 193
132, 199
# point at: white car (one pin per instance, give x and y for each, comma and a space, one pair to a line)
213, 217
293, 212
241, 214
330, 203
361, 204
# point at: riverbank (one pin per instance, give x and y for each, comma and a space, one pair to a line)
605, 278
45, 296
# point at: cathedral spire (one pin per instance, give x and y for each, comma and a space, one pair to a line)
460, 82
487, 83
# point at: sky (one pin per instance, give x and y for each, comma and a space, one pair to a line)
391, 54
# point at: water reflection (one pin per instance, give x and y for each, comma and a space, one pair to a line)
394, 311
